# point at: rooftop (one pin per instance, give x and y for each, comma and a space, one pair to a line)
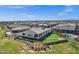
65, 27
39, 30
20, 28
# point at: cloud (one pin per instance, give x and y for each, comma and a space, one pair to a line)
17, 6
26, 16
68, 9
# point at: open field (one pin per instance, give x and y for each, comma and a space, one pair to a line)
2, 33
8, 45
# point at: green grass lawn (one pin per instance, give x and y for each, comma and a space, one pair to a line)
9, 45
51, 38
2, 33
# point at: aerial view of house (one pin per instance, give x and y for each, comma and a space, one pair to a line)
39, 29
36, 33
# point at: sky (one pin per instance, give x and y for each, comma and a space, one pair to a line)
38, 12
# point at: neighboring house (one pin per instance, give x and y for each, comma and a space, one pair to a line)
19, 29
10, 26
43, 25
51, 24
15, 30
35, 33
47, 25
66, 28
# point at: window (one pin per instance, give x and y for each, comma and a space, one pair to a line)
36, 35
23, 33
39, 34
43, 32
29, 35
46, 31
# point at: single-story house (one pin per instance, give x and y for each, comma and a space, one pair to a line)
66, 28
51, 24
19, 29
35, 33
10, 26
47, 25
42, 25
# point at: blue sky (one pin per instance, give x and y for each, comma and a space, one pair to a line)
38, 12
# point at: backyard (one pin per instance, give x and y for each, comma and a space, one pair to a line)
51, 38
